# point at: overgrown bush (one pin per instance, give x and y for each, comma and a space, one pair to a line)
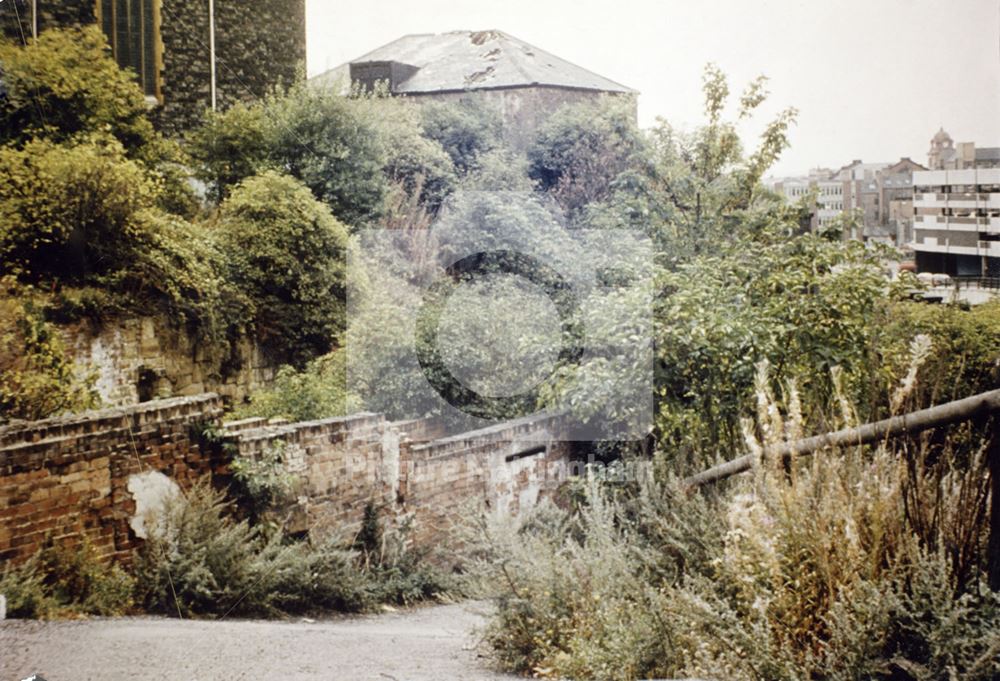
816, 570
37, 377
64, 581
312, 134
70, 212
286, 251
198, 559
582, 148
466, 129
317, 391
66, 83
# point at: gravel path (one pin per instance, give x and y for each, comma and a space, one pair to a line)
435, 643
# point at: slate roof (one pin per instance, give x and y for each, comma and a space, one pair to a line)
474, 60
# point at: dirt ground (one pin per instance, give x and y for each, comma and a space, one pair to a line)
435, 643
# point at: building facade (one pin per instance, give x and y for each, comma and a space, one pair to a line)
944, 154
828, 194
167, 46
957, 221
525, 84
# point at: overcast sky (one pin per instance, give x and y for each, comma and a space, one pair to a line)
872, 79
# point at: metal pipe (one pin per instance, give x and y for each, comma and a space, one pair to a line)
211, 47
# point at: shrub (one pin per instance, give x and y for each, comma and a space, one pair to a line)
37, 378
65, 84
66, 581
317, 391
466, 130
311, 134
582, 148
262, 482
286, 252
815, 570
197, 559
69, 212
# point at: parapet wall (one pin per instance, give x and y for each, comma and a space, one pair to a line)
66, 478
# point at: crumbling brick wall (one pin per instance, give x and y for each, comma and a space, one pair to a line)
65, 478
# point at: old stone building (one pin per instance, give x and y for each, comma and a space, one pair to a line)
524, 83
168, 46
944, 154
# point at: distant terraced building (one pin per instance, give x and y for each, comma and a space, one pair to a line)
524, 83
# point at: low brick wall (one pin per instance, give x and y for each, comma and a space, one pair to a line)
63, 478
506, 468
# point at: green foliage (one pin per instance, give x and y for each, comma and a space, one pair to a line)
815, 571
262, 482
415, 163
62, 581
582, 149
317, 391
37, 378
313, 135
286, 252
66, 84
466, 129
68, 212
199, 560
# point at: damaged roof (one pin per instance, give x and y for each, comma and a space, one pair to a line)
474, 60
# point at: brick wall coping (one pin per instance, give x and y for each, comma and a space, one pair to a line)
99, 420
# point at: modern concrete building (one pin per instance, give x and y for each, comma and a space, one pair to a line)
168, 46
957, 221
524, 83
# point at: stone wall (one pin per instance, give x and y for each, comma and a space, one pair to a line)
138, 359
65, 478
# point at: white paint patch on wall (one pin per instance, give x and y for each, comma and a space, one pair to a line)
151, 491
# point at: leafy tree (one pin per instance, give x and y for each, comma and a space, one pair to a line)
314, 135
66, 83
466, 129
583, 148
286, 252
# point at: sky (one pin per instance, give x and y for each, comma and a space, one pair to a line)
872, 79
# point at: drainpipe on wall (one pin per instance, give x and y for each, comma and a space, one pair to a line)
211, 46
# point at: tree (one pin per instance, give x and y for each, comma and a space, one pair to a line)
65, 84
286, 252
583, 148
314, 135
466, 129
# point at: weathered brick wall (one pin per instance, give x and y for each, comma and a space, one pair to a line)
343, 464
258, 45
339, 465
64, 478
146, 357
506, 469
